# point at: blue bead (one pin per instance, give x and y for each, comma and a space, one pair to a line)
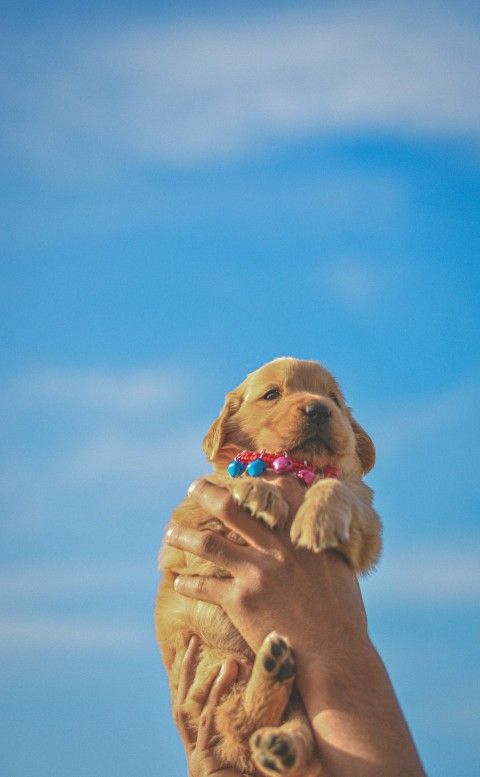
236, 468
256, 468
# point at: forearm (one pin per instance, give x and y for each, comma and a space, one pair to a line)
357, 722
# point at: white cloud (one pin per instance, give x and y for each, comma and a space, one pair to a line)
96, 446
87, 633
439, 575
58, 579
425, 576
355, 284
31, 596
397, 429
201, 89
133, 457
141, 390
358, 285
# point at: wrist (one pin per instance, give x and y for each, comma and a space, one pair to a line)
327, 673
355, 716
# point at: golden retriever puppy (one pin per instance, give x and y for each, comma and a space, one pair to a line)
289, 416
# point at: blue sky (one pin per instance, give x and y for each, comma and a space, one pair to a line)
187, 191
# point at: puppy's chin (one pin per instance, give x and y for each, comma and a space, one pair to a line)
317, 450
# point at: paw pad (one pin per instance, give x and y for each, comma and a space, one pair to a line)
273, 751
278, 659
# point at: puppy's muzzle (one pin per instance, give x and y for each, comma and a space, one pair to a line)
317, 413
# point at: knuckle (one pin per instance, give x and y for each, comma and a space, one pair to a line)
242, 600
251, 589
200, 585
245, 593
260, 581
282, 557
226, 504
209, 543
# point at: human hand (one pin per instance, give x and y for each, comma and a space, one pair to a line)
200, 749
312, 599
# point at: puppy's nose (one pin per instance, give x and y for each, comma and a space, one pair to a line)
317, 412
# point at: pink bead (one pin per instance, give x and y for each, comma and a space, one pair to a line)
307, 475
282, 464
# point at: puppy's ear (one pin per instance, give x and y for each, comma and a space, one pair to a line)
365, 446
215, 436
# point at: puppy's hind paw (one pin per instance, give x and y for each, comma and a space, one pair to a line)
273, 751
269, 687
276, 658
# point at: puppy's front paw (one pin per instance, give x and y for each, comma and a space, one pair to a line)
273, 751
262, 501
320, 527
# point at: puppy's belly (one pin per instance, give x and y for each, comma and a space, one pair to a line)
178, 617
215, 628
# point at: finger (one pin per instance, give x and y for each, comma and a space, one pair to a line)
214, 590
208, 545
187, 675
220, 503
206, 728
187, 670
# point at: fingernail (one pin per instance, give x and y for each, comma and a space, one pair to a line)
176, 582
168, 533
192, 488
229, 667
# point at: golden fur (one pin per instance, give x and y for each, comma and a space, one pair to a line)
262, 730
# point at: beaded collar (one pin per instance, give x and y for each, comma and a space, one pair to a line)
255, 464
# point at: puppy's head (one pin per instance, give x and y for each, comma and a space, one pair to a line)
291, 406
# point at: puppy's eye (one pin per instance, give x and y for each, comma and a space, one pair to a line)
333, 396
272, 394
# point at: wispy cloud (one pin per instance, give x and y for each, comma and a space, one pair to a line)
33, 598
360, 286
85, 443
56, 580
450, 412
195, 90
422, 578
430, 576
87, 633
135, 457
141, 390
